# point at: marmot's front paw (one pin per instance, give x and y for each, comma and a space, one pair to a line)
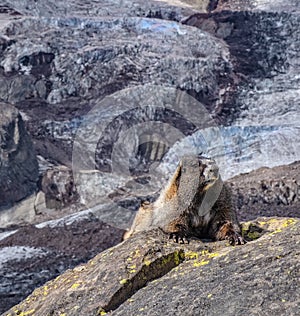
227, 231
178, 232
179, 237
236, 239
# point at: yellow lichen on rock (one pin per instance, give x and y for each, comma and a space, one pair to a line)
123, 281
201, 263
190, 255
204, 254
75, 286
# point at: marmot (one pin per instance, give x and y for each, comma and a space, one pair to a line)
195, 203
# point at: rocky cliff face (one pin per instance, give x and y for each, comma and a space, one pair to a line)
269, 192
239, 65
58, 61
18, 163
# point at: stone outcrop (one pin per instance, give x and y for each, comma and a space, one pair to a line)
59, 189
268, 191
153, 276
18, 163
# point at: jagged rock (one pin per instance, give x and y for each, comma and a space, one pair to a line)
151, 275
122, 64
18, 164
268, 191
165, 9
264, 113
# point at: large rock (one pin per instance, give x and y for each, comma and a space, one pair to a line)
59, 189
18, 164
152, 276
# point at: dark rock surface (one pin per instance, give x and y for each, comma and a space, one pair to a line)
18, 163
43, 253
268, 192
59, 188
153, 276
264, 48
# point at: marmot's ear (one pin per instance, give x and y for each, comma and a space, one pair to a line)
145, 203
173, 186
127, 234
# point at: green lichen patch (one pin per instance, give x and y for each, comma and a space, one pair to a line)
271, 226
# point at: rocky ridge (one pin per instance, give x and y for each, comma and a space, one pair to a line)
18, 164
267, 192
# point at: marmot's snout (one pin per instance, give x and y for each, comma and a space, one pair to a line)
211, 170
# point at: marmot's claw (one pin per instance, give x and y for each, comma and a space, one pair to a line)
236, 239
178, 237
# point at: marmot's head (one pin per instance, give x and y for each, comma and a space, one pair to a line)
203, 170
200, 183
194, 178
210, 172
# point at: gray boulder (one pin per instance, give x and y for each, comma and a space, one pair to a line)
59, 189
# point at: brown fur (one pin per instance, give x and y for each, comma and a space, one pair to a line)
195, 203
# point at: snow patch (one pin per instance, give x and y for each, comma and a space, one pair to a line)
6, 234
19, 253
